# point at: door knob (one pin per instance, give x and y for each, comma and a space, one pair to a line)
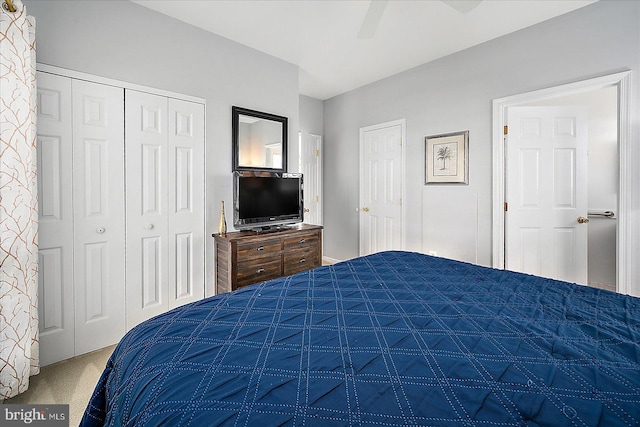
306, 210
100, 230
365, 209
148, 226
582, 220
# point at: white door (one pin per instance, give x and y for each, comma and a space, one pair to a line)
311, 167
147, 206
81, 210
98, 192
381, 187
546, 192
55, 211
165, 204
186, 202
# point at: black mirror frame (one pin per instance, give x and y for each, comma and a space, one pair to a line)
235, 127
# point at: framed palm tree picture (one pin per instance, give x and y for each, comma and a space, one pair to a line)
447, 158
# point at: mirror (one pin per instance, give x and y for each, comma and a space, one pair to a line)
259, 141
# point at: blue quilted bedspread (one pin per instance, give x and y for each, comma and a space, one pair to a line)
395, 338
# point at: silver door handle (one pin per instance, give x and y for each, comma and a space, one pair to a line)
148, 226
100, 230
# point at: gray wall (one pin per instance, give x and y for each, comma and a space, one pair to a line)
124, 41
311, 115
454, 94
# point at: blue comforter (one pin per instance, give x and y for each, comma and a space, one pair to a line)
394, 338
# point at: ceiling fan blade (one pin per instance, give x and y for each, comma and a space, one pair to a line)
372, 19
462, 6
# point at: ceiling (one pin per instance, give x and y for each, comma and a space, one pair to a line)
322, 38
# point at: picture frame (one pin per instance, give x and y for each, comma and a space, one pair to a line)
447, 158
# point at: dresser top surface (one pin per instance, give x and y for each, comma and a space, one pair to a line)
242, 235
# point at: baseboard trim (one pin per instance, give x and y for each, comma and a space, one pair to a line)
329, 261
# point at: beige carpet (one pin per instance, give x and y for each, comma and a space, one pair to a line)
71, 381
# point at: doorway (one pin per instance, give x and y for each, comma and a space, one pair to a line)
602, 181
382, 187
311, 168
606, 193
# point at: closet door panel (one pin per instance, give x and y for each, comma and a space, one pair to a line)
147, 206
92, 203
55, 206
99, 255
186, 202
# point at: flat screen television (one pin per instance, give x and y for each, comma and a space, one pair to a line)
267, 200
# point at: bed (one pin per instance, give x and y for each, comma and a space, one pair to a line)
394, 338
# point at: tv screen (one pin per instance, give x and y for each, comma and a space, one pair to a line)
267, 199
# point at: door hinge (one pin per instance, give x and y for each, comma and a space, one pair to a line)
506, 206
317, 199
400, 142
505, 130
317, 153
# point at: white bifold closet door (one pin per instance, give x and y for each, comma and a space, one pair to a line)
81, 204
55, 213
165, 204
98, 192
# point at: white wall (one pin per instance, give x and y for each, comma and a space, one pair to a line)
603, 185
124, 41
455, 94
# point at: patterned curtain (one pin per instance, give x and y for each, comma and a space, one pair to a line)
19, 352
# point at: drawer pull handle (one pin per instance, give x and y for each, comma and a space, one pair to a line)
303, 260
301, 241
260, 270
260, 248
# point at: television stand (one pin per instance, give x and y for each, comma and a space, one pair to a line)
243, 258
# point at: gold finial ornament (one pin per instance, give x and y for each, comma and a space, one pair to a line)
222, 223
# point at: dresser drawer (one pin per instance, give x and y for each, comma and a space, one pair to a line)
301, 240
258, 270
245, 257
305, 258
259, 248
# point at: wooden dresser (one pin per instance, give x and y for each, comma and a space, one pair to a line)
245, 257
